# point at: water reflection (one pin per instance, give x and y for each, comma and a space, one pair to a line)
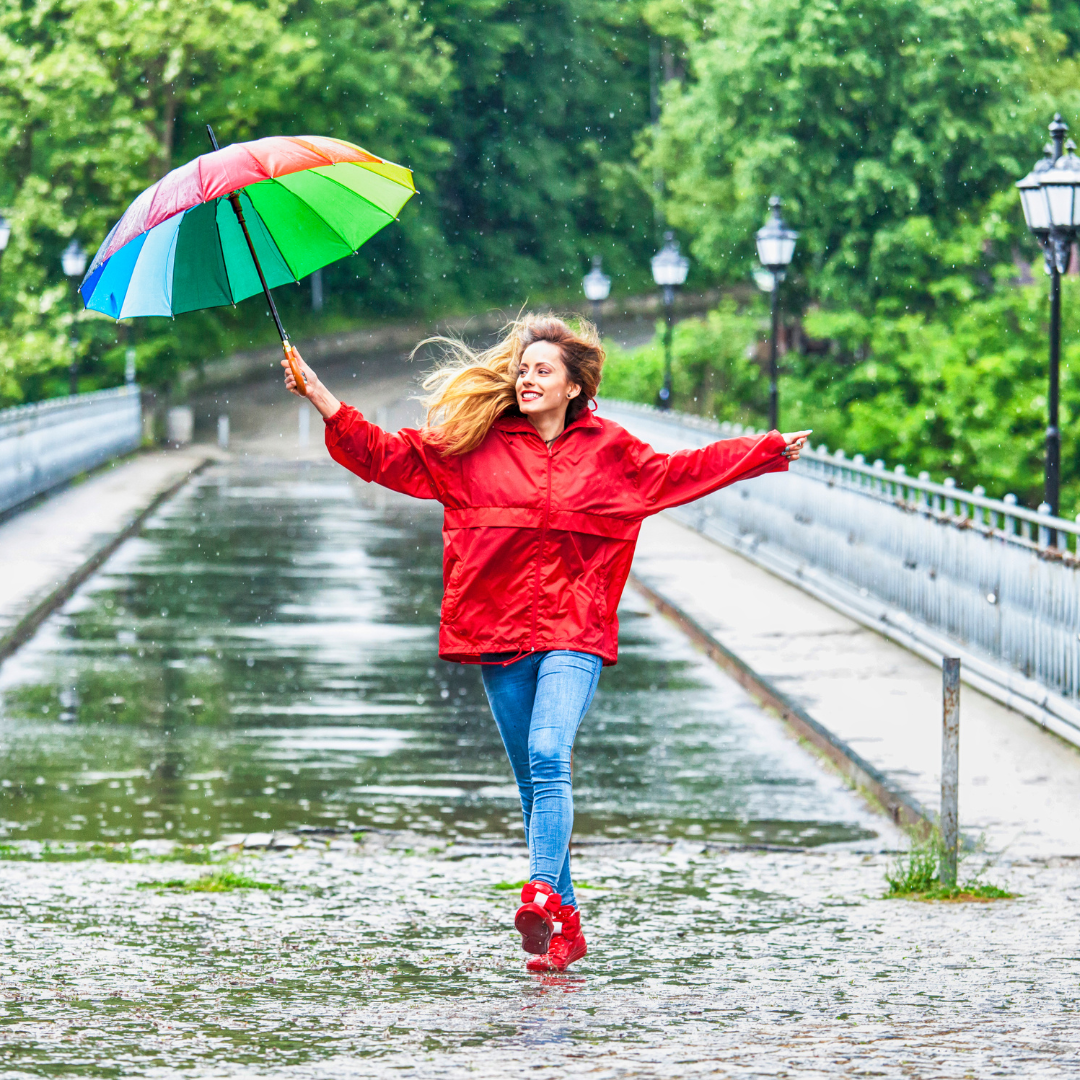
263, 657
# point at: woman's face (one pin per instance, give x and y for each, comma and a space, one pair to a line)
542, 383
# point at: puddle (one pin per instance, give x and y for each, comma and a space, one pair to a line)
262, 657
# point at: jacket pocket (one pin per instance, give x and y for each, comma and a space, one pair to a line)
452, 590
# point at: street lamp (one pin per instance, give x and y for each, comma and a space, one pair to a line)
669, 270
73, 259
1051, 203
597, 286
776, 246
5, 232
73, 262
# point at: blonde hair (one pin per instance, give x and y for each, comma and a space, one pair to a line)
470, 390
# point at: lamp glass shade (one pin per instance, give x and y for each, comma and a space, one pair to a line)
776, 249
775, 241
5, 232
73, 259
596, 283
764, 279
1061, 201
669, 268
1060, 182
1033, 201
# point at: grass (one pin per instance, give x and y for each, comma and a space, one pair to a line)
516, 886
971, 893
914, 876
217, 881
510, 885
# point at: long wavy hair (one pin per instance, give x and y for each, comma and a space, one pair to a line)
470, 390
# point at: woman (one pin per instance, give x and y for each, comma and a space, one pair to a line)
543, 503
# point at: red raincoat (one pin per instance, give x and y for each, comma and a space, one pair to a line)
538, 542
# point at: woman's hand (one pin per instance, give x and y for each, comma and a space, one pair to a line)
317, 394
795, 440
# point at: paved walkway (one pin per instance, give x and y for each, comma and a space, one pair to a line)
1019, 785
42, 547
45, 546
740, 965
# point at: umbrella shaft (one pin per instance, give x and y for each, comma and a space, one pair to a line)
234, 199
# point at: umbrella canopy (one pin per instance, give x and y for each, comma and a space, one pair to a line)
180, 246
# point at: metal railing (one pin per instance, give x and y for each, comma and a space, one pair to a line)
940, 569
45, 444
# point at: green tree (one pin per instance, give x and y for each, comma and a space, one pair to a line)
547, 101
88, 99
865, 115
99, 98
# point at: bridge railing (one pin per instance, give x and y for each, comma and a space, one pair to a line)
945, 571
45, 444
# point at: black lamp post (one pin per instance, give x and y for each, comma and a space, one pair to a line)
597, 286
776, 247
669, 270
73, 262
1051, 205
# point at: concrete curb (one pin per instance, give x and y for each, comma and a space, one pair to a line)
904, 809
24, 629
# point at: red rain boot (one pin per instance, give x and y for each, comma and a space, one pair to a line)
567, 943
535, 918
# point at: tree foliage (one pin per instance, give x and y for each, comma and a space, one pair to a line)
540, 134
713, 371
869, 117
518, 119
894, 130
548, 100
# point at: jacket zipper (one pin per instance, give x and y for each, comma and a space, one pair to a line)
540, 556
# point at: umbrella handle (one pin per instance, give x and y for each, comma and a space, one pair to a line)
293, 357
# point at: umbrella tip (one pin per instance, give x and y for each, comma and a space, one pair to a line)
213, 137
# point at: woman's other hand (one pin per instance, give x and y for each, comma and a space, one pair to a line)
317, 394
795, 440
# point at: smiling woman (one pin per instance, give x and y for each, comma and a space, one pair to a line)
543, 501
541, 366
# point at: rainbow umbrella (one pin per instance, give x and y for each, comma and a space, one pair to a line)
243, 219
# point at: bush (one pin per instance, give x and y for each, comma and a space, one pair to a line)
960, 394
713, 373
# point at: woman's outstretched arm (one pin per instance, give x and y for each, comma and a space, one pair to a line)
394, 460
666, 480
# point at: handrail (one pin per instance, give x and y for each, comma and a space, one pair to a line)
1004, 518
48, 442
36, 408
945, 572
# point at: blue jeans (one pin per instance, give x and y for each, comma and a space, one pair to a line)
538, 703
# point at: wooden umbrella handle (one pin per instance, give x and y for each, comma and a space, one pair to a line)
294, 366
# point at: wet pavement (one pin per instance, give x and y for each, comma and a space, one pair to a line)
381, 962
263, 657
261, 660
